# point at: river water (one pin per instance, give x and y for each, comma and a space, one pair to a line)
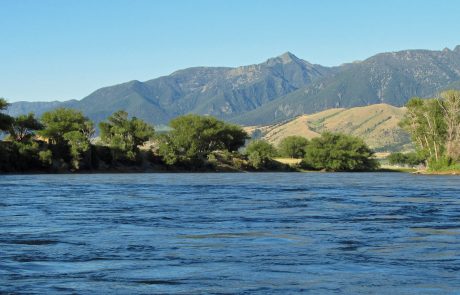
248, 233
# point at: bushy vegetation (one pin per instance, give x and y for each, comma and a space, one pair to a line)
124, 135
339, 152
64, 139
260, 153
293, 147
61, 140
434, 126
406, 159
194, 137
5, 120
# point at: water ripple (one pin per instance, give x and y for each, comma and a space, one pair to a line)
268, 233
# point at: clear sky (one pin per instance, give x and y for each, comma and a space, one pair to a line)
65, 49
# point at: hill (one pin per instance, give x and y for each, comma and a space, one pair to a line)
376, 124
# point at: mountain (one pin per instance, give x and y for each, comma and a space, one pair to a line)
390, 78
38, 107
377, 124
221, 92
278, 89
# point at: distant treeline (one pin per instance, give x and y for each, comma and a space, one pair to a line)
64, 140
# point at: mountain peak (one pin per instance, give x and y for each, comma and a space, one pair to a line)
457, 48
285, 58
288, 57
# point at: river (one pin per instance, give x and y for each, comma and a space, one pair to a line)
248, 233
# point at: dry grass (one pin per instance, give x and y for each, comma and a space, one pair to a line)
288, 161
376, 124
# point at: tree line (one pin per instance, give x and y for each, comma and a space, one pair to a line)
64, 139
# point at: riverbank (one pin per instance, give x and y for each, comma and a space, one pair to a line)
439, 172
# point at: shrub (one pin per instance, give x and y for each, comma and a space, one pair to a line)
259, 153
293, 147
339, 152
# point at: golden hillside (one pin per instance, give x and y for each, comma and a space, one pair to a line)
376, 124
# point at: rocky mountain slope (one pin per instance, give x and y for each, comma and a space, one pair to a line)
221, 92
390, 78
275, 90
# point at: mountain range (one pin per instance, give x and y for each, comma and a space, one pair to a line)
278, 89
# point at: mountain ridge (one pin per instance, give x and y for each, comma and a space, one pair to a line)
277, 89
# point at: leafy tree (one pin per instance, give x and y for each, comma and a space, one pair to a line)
63, 120
69, 132
259, 153
23, 127
434, 126
339, 152
293, 147
5, 120
20, 153
450, 105
20, 156
124, 136
79, 144
194, 137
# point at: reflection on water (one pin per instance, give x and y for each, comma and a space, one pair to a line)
230, 233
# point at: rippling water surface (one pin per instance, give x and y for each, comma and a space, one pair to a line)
265, 233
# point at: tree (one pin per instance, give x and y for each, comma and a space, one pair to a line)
69, 132
339, 152
259, 153
79, 144
124, 136
194, 137
23, 127
5, 120
293, 147
434, 126
61, 121
450, 105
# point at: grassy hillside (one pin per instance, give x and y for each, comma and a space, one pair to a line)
376, 124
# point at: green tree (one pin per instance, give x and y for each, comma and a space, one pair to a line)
23, 127
259, 153
61, 121
5, 120
339, 152
124, 136
79, 144
433, 125
194, 137
293, 147
450, 105
69, 133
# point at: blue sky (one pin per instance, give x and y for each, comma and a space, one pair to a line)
65, 49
